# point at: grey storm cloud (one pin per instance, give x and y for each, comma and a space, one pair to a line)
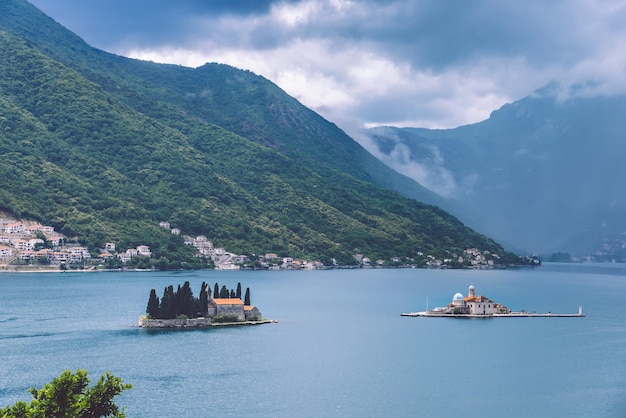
429, 63
110, 22
435, 34
428, 33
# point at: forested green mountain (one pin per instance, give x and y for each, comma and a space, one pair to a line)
104, 147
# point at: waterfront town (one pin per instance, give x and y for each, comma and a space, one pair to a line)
28, 245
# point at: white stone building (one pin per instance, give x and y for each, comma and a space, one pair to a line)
6, 251
144, 251
234, 307
473, 304
227, 306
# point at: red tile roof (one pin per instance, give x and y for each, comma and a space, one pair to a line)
228, 301
479, 298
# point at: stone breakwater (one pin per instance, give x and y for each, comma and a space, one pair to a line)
174, 323
194, 323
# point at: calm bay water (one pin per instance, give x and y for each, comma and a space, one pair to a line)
341, 348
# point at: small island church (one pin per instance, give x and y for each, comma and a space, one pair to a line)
475, 305
233, 307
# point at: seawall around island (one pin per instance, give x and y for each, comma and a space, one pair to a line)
193, 323
508, 315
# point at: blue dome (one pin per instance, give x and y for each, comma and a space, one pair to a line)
458, 296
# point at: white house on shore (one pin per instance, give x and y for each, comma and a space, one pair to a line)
6, 251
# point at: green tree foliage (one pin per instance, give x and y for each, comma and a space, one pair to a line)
113, 263
68, 396
246, 300
225, 318
238, 292
45, 244
224, 292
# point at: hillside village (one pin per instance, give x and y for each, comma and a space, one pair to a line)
31, 244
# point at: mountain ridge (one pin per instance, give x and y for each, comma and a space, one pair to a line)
108, 149
544, 171
70, 49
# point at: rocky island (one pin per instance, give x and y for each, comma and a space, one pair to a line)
180, 309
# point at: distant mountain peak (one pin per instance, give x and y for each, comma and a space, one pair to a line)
544, 170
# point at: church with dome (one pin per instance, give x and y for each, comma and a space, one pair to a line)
473, 304
479, 306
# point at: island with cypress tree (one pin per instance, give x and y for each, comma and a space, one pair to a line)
180, 309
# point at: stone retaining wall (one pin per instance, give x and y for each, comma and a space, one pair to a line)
174, 323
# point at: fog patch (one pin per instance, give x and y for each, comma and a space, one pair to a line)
430, 173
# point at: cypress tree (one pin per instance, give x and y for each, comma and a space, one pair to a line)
177, 303
224, 293
247, 297
238, 295
165, 310
232, 294
153, 305
216, 291
203, 300
186, 301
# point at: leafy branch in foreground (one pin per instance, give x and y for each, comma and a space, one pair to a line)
68, 396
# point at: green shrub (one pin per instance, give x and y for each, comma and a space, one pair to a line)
225, 318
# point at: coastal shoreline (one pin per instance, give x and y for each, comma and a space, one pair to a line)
6, 269
3, 269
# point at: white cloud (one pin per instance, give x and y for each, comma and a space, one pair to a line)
403, 63
297, 13
410, 64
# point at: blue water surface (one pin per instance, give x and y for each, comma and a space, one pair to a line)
340, 348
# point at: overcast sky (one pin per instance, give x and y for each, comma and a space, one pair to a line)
421, 63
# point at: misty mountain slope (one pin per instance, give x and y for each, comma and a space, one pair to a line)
539, 174
106, 162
